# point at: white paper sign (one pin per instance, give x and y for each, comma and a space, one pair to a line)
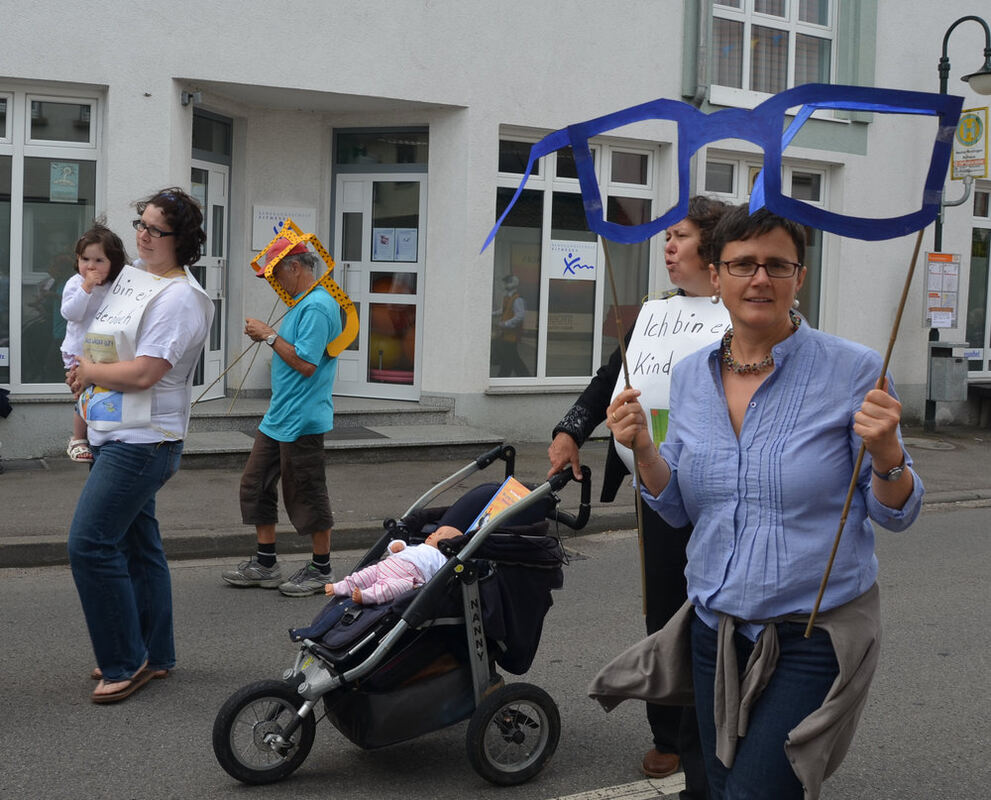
665, 332
942, 319
383, 244
406, 244
573, 260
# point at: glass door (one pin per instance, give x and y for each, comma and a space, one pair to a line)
380, 221
210, 184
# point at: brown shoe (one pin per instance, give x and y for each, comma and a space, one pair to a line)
659, 765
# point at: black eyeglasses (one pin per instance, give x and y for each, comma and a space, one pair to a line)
745, 268
151, 230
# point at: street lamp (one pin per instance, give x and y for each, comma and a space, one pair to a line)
980, 82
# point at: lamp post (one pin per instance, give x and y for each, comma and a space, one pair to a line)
980, 82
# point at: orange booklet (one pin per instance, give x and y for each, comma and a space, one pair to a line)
506, 495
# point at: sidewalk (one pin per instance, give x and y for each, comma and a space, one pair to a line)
200, 518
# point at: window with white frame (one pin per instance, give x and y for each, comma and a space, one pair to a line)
731, 178
762, 47
48, 187
553, 321
978, 294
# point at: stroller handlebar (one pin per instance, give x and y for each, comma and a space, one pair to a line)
505, 452
574, 521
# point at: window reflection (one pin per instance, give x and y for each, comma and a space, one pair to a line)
382, 147
516, 285
631, 269
60, 122
391, 343
59, 206
5, 268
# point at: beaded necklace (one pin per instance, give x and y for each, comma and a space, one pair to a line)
726, 356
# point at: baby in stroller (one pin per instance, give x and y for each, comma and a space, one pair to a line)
405, 568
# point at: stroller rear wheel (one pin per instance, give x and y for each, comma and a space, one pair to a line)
247, 734
512, 734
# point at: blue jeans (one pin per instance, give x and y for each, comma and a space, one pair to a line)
805, 671
117, 559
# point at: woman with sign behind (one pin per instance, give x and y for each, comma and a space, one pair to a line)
134, 387
765, 433
687, 258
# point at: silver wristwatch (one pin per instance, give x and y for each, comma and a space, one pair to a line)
892, 474
270, 340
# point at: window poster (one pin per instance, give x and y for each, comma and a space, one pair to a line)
63, 184
383, 244
573, 260
406, 244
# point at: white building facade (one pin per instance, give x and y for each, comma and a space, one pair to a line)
397, 131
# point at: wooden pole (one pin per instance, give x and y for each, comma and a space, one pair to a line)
638, 501
860, 454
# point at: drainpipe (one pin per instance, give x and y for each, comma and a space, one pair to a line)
702, 53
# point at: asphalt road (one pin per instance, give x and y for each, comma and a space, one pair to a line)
923, 734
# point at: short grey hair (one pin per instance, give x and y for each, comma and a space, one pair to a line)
305, 260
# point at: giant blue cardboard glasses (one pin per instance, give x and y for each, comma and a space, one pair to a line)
763, 126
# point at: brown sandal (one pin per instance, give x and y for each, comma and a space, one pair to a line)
130, 686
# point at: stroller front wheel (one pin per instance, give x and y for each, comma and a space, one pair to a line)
512, 734
248, 733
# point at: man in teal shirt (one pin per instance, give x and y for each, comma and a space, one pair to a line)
289, 441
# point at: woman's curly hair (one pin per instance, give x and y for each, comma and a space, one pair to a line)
183, 214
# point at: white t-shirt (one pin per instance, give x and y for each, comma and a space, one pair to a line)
78, 310
174, 327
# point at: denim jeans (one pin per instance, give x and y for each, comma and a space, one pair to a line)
806, 669
117, 559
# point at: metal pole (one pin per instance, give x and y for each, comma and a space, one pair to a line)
929, 420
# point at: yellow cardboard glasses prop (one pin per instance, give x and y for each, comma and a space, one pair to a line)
292, 237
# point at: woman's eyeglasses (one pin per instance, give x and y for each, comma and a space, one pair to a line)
151, 230
745, 268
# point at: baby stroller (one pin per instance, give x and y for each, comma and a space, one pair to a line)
388, 673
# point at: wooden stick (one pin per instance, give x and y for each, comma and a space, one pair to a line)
254, 355
860, 454
638, 502
230, 366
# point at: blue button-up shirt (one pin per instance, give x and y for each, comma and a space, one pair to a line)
766, 505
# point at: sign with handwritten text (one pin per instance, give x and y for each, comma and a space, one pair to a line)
573, 260
665, 332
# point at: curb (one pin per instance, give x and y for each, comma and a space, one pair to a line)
50, 551
235, 542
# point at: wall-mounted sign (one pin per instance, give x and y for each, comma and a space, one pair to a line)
942, 290
573, 260
267, 221
970, 145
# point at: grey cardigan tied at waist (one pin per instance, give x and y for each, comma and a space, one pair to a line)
659, 670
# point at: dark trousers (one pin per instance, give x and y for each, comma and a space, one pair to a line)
675, 729
805, 670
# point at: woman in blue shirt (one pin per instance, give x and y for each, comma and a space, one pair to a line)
764, 432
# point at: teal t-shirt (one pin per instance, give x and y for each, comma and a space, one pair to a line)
302, 405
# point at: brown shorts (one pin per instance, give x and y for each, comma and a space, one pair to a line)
304, 484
